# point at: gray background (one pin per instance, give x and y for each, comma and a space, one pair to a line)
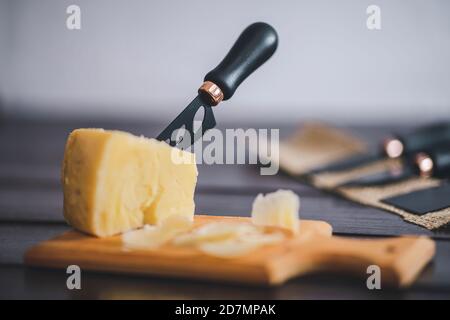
147, 58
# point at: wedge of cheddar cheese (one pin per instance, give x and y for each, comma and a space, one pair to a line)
114, 181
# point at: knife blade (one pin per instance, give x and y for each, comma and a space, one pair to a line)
185, 120
396, 146
432, 163
255, 45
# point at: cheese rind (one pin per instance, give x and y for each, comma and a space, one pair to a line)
114, 181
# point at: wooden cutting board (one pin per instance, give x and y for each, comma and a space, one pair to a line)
315, 249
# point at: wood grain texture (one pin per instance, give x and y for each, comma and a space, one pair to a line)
400, 259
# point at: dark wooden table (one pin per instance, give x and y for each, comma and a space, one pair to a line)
31, 211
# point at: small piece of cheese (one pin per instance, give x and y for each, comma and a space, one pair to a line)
228, 249
151, 236
228, 239
278, 209
216, 231
265, 239
114, 181
240, 245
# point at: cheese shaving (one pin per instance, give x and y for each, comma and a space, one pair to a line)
150, 237
231, 248
216, 231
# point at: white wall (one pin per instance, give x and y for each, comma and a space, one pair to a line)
147, 58
4, 52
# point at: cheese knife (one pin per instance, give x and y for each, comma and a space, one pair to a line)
396, 146
433, 163
255, 45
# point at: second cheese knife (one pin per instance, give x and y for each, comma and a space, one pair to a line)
397, 146
255, 45
432, 163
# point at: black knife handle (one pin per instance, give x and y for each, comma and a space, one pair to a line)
426, 137
441, 159
435, 162
255, 45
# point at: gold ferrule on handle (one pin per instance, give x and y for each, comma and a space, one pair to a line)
393, 147
425, 164
211, 92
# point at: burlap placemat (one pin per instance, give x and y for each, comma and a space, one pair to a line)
315, 145
372, 196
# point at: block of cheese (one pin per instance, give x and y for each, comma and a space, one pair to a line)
280, 209
114, 181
